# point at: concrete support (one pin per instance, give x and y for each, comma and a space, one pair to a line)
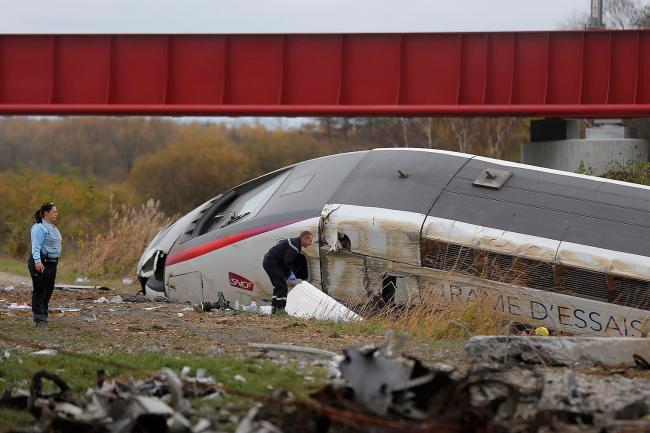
556, 144
559, 351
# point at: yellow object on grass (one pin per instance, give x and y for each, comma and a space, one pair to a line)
541, 331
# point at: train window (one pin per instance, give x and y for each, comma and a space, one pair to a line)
297, 185
248, 204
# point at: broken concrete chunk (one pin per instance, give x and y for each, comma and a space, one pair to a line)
560, 351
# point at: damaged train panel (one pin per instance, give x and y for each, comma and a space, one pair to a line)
373, 232
408, 225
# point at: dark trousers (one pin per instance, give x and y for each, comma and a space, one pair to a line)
43, 283
279, 281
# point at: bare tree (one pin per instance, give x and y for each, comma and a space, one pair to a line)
642, 18
425, 126
405, 131
621, 14
463, 130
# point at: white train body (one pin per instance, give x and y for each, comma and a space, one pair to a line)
545, 247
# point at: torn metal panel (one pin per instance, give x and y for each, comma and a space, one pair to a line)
375, 232
383, 276
344, 275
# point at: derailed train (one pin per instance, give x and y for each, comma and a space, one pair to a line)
546, 247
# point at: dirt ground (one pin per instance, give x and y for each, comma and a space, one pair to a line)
174, 328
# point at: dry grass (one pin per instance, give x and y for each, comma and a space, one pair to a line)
431, 317
117, 252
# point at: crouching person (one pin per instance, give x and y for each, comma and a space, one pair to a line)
46, 249
278, 265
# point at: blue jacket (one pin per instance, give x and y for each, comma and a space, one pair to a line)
46, 241
284, 253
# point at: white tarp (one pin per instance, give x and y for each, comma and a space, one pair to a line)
306, 301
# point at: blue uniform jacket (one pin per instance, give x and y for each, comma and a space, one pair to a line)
284, 253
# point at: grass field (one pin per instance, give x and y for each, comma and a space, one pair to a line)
80, 373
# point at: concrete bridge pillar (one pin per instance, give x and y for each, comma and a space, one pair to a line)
556, 143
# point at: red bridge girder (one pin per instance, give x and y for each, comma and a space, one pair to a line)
553, 74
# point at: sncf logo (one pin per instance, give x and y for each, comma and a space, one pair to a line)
240, 282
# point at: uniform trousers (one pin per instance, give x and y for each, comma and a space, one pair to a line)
43, 283
279, 281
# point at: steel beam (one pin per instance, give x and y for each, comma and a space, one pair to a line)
551, 74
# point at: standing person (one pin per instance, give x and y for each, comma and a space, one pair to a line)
278, 264
46, 249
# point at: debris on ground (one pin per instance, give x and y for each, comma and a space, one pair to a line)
65, 309
140, 298
306, 301
382, 393
220, 304
65, 287
158, 404
288, 348
14, 306
45, 352
377, 389
560, 351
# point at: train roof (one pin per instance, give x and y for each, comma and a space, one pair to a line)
535, 201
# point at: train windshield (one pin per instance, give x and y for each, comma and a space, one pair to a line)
250, 203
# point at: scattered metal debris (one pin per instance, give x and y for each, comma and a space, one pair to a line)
154, 405
220, 304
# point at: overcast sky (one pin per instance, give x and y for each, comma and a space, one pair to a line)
283, 16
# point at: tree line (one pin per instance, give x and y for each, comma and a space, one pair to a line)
184, 163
